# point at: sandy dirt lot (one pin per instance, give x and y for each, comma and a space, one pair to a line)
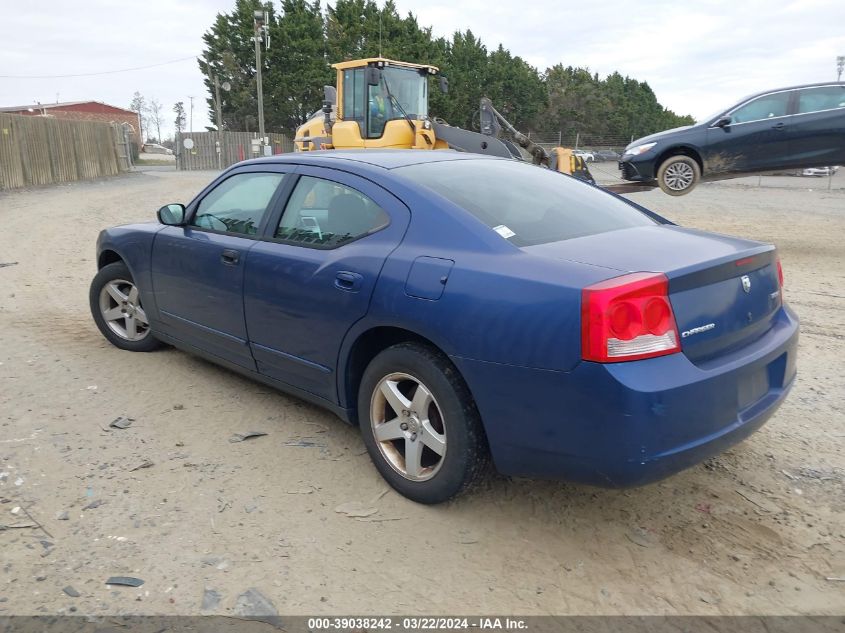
757, 530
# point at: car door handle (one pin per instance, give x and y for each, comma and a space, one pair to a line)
350, 282
778, 126
230, 257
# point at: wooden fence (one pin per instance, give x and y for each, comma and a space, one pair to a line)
234, 147
37, 150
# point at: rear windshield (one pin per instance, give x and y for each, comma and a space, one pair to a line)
526, 204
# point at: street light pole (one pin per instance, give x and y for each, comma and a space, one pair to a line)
217, 104
259, 88
218, 109
840, 66
261, 18
191, 119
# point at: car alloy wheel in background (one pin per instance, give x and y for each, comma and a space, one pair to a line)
678, 175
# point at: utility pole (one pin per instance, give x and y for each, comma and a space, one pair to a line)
217, 104
840, 66
218, 107
191, 124
261, 34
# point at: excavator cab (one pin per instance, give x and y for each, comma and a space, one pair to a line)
379, 103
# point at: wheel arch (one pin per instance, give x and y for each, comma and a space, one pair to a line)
109, 256
366, 346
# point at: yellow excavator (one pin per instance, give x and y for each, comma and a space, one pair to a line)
383, 103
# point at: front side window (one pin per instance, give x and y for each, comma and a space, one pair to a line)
525, 204
238, 204
817, 99
325, 214
764, 107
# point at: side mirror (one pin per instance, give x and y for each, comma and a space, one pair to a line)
723, 121
444, 84
373, 76
172, 215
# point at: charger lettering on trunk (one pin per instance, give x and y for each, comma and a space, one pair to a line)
698, 330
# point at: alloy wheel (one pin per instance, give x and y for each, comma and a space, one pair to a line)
679, 176
121, 308
408, 426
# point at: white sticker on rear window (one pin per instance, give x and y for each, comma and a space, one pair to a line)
504, 231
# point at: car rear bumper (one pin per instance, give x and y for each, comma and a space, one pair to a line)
628, 424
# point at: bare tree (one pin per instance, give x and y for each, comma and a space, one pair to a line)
155, 113
139, 105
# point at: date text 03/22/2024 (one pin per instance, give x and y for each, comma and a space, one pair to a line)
417, 623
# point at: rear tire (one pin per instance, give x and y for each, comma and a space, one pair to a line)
678, 175
116, 307
420, 424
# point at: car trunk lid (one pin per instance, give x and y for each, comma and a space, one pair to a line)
724, 291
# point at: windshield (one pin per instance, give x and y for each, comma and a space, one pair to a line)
526, 204
410, 88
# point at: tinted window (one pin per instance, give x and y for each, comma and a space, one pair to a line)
815, 99
237, 204
326, 214
764, 107
523, 203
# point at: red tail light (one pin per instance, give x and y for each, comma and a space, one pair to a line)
628, 318
780, 273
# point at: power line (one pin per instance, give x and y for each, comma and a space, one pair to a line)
105, 72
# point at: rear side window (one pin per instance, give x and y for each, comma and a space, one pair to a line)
238, 204
525, 204
764, 107
816, 99
325, 214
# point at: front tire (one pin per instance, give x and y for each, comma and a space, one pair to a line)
116, 307
678, 175
420, 424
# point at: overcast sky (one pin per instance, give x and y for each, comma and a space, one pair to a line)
697, 57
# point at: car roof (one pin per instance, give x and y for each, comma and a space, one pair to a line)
384, 158
816, 85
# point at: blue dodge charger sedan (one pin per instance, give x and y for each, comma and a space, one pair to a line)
459, 309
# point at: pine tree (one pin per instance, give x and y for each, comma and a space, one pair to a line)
297, 64
179, 121
306, 40
230, 54
465, 65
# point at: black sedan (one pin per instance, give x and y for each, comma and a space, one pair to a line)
788, 128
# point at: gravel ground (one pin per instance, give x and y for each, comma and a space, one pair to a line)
757, 530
